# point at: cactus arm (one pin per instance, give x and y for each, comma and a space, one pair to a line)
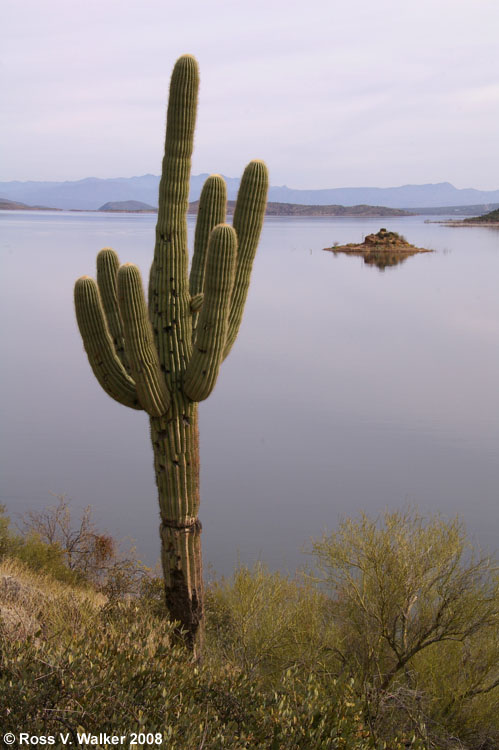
202, 370
212, 208
169, 298
179, 142
248, 221
107, 269
141, 351
98, 344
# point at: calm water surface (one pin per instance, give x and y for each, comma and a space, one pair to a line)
348, 389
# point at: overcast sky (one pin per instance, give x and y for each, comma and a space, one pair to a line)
330, 93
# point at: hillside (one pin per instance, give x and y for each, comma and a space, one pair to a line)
470, 210
128, 206
6, 205
273, 209
491, 218
297, 209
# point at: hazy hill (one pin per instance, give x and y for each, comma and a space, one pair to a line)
297, 209
127, 206
491, 218
273, 209
12, 205
93, 192
6, 205
456, 210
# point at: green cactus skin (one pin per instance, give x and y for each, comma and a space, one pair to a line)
139, 343
212, 208
164, 359
107, 270
98, 344
202, 371
248, 221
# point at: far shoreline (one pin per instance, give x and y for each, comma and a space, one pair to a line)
475, 224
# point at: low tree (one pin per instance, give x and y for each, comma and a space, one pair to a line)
401, 584
90, 554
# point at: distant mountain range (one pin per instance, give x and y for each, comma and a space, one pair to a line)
92, 192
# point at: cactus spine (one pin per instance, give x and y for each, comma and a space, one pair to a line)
165, 358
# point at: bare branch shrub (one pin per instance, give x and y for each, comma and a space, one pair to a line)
416, 612
94, 556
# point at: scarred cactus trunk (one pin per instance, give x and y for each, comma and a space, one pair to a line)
165, 357
175, 442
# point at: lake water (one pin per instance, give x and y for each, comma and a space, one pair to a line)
348, 389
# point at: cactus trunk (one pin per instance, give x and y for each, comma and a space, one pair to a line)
165, 356
175, 441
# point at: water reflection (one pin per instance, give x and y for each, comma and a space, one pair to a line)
346, 389
383, 249
380, 259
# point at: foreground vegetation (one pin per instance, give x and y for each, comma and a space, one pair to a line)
391, 641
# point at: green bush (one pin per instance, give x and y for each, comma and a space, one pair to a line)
393, 644
264, 623
5, 534
120, 670
416, 612
34, 552
48, 558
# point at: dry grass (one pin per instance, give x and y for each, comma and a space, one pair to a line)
32, 603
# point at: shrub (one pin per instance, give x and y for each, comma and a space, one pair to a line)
34, 552
397, 647
100, 667
91, 556
5, 534
413, 604
264, 623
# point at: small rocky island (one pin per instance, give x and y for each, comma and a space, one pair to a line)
381, 250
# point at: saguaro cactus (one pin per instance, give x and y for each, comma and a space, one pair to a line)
164, 358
